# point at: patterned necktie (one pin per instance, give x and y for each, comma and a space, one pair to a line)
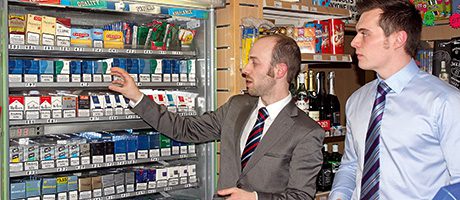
254, 137
371, 172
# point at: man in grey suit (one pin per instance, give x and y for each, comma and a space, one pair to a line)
269, 148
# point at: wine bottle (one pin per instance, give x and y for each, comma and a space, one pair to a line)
335, 158
301, 94
313, 111
443, 75
333, 110
325, 175
321, 95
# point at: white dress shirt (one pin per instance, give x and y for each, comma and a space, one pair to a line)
419, 137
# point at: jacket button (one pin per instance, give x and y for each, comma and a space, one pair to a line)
239, 185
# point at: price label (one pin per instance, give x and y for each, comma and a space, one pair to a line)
109, 164
83, 167
183, 156
130, 51
48, 48
96, 165
317, 57
148, 51
97, 50
151, 191
78, 167
109, 197
94, 119
130, 116
61, 169
304, 8
154, 159
168, 188
333, 58
112, 50
98, 198
32, 172
278, 4
50, 121
138, 193
64, 48
162, 52
30, 47
31, 84
84, 84
30, 122
345, 59
113, 117
13, 46
314, 9
187, 185
295, 7
77, 49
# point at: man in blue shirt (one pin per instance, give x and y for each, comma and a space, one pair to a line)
403, 127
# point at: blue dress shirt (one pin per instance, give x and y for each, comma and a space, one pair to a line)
419, 138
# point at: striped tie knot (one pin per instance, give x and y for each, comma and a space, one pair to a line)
371, 169
254, 137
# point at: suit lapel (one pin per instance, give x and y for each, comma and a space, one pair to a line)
243, 117
278, 129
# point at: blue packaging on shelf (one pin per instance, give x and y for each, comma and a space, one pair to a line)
49, 186
87, 67
62, 184
15, 66
119, 62
167, 66
183, 12
31, 67
33, 188
120, 146
46, 71
18, 190
151, 174
72, 183
143, 142
154, 140
141, 176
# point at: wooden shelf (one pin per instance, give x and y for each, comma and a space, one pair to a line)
334, 139
440, 31
319, 58
299, 14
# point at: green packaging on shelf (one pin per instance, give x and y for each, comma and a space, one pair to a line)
191, 70
62, 70
142, 33
156, 68
165, 145
106, 65
89, 3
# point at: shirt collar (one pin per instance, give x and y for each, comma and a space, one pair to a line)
275, 108
400, 79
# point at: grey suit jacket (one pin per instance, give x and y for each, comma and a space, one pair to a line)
285, 163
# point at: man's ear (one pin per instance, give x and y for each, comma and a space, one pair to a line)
400, 39
280, 70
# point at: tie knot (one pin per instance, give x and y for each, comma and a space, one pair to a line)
383, 88
263, 114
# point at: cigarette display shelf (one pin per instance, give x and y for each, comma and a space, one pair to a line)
84, 9
95, 85
41, 127
326, 58
146, 192
86, 52
100, 165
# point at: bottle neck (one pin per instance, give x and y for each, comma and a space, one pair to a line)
311, 88
331, 86
320, 83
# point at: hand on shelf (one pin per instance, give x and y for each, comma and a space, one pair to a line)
125, 85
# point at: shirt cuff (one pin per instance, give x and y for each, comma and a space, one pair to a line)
134, 104
257, 196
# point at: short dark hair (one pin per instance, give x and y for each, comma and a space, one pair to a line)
398, 15
286, 51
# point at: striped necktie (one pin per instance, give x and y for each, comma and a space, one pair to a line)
371, 172
254, 137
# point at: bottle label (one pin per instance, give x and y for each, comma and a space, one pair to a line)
336, 118
302, 105
314, 115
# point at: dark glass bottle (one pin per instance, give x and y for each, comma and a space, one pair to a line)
333, 110
321, 95
325, 176
313, 110
301, 97
335, 158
